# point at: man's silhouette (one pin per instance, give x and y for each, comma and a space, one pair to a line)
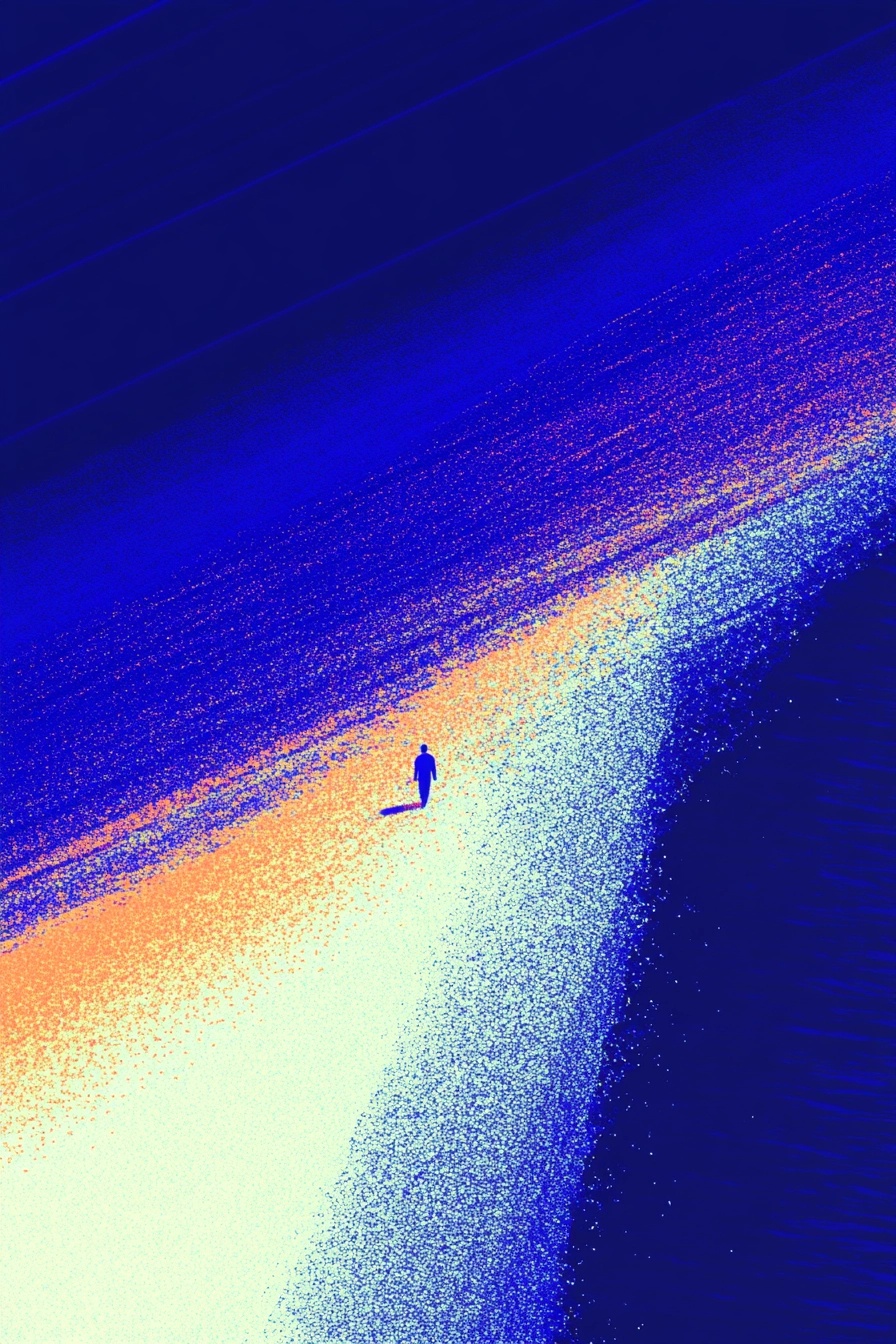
424, 772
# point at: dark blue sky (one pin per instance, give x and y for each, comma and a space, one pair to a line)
136, 236
180, 180
710, 125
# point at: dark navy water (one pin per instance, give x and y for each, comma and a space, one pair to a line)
741, 1180
743, 1188
109, 503
358, 602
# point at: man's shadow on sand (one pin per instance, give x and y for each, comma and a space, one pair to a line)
402, 807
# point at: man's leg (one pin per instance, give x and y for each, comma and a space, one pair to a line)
424, 789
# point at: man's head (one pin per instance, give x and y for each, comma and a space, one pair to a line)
424, 747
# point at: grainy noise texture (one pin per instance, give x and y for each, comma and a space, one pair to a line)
160, 726
287, 1058
451, 1218
748, 1087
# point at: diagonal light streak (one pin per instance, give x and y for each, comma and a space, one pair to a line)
353, 138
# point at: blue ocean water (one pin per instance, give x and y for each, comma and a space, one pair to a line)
616, 451
774, 1236
373, 387
742, 1186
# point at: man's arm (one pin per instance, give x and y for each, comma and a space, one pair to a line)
416, 769
434, 767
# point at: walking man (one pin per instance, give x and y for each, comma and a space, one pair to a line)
424, 772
